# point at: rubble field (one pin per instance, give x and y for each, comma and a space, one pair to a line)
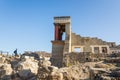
27, 67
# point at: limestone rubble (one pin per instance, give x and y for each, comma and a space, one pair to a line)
28, 68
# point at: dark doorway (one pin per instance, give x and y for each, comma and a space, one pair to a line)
104, 49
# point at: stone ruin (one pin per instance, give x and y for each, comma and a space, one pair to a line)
29, 68
93, 58
23, 67
65, 46
96, 59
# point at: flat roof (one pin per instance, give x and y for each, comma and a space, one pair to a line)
61, 17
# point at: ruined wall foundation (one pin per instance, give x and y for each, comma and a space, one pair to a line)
73, 42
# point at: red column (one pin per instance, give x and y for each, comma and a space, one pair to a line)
56, 32
60, 34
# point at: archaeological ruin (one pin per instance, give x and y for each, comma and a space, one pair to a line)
75, 43
73, 58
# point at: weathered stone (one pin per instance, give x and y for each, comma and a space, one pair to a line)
102, 65
73, 41
28, 68
26, 74
7, 68
44, 63
5, 71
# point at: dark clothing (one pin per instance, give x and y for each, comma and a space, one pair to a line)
15, 52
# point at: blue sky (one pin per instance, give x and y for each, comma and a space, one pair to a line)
28, 24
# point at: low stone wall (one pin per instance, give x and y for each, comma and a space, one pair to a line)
113, 60
76, 58
103, 74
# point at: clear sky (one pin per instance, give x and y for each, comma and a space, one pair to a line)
28, 24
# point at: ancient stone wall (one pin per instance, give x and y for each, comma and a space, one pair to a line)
59, 46
57, 53
87, 44
78, 40
78, 58
72, 41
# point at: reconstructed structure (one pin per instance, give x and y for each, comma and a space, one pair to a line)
73, 42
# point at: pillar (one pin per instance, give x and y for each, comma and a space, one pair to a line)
56, 31
100, 49
92, 49
67, 38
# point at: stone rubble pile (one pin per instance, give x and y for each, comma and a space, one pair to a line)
5, 68
28, 68
24, 68
66, 73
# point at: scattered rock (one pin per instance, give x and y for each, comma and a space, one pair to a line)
27, 68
